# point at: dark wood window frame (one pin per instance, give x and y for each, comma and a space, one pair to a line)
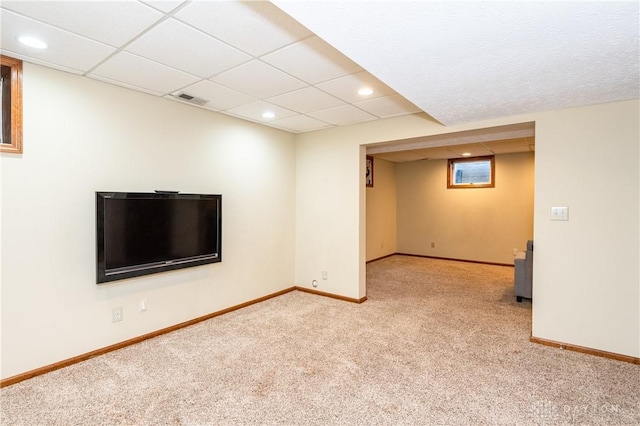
11, 105
453, 161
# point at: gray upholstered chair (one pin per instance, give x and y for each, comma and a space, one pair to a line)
523, 280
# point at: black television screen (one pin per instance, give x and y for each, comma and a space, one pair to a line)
146, 233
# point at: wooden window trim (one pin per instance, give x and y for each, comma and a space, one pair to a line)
16, 105
453, 161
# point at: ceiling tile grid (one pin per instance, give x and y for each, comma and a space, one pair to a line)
66, 50
182, 47
137, 71
327, 63
346, 114
257, 79
308, 99
165, 6
342, 87
456, 61
300, 123
238, 56
220, 97
113, 23
253, 27
478, 149
387, 106
505, 139
255, 111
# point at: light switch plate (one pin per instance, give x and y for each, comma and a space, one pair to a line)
559, 213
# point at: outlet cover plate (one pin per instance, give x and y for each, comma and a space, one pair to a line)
559, 213
117, 314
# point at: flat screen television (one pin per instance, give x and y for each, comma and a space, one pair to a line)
146, 233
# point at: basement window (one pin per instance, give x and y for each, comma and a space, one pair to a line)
472, 172
11, 117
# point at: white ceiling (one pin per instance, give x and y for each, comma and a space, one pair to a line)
458, 61
479, 149
243, 58
507, 139
463, 61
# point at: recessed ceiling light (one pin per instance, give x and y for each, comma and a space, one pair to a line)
268, 114
32, 42
466, 154
365, 91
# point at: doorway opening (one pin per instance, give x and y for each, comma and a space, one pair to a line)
411, 210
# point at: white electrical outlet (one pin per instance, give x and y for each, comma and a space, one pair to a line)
143, 305
117, 314
325, 275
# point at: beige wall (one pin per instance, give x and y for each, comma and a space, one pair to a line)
482, 224
381, 211
333, 205
82, 136
292, 207
586, 275
331, 201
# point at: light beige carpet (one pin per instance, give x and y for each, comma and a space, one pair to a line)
438, 342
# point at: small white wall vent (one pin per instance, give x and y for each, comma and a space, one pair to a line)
191, 99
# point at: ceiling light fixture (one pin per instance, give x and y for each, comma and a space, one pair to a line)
365, 91
268, 114
32, 42
466, 154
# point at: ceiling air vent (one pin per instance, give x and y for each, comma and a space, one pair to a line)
191, 99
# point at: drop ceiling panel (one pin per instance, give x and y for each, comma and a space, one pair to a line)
342, 115
164, 5
312, 60
139, 72
125, 85
512, 150
111, 22
182, 47
510, 145
36, 61
434, 153
387, 106
479, 149
497, 140
219, 97
476, 150
257, 79
400, 156
66, 50
346, 88
300, 123
306, 100
254, 27
255, 110
213, 50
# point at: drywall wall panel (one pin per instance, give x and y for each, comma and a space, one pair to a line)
586, 275
328, 178
479, 224
381, 210
331, 201
82, 136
